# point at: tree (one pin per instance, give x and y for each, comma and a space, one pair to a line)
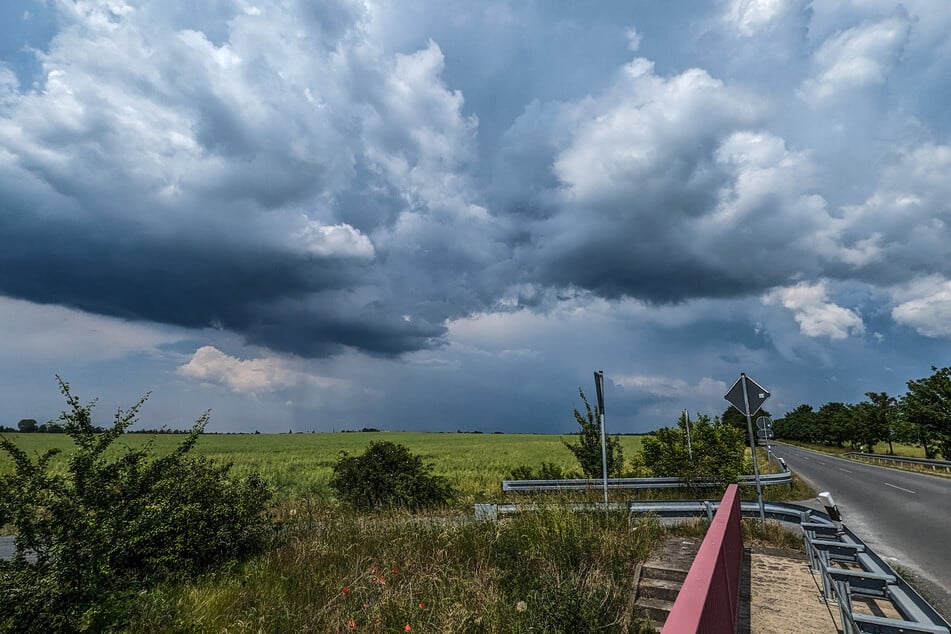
881, 416
27, 426
798, 425
716, 451
588, 448
927, 405
834, 424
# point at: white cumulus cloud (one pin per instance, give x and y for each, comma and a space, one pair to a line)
925, 305
815, 314
340, 240
265, 374
860, 56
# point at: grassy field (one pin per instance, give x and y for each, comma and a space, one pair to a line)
909, 451
301, 464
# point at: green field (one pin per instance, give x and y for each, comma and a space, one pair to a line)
301, 464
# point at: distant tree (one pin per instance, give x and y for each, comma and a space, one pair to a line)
798, 424
834, 424
27, 425
588, 448
735, 418
881, 415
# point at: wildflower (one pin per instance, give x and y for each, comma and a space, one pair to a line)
346, 589
521, 606
395, 571
351, 624
422, 604
408, 628
364, 606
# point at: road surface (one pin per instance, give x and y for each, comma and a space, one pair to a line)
905, 517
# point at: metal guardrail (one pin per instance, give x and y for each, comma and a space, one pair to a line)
934, 465
826, 543
868, 577
709, 599
637, 483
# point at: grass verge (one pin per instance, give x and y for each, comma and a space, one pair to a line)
552, 570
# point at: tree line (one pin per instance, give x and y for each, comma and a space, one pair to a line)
921, 417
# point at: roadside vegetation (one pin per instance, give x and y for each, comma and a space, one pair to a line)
368, 531
882, 423
553, 570
90, 539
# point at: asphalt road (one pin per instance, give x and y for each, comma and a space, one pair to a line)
905, 517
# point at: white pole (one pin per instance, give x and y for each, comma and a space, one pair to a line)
749, 425
689, 447
599, 385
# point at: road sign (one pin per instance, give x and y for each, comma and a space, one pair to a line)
748, 396
764, 422
756, 393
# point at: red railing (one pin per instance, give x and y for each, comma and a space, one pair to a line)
709, 598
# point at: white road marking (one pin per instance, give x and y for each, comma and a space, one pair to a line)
846, 470
899, 488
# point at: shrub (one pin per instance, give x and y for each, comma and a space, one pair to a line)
715, 453
388, 475
588, 448
115, 523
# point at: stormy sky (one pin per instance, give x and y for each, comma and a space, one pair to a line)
446, 215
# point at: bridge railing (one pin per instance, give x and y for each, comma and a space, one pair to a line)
709, 598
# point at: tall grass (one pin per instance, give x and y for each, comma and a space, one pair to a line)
552, 570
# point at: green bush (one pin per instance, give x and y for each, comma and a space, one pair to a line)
588, 448
716, 451
115, 523
388, 475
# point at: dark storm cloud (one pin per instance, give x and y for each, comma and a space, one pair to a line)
197, 283
356, 175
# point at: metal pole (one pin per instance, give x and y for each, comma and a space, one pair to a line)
689, 447
749, 426
599, 385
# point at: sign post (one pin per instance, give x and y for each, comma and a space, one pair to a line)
687, 423
748, 396
599, 385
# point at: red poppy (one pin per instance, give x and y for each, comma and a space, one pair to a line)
408, 628
395, 571
422, 604
346, 589
351, 624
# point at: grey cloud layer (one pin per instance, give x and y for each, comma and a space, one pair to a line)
326, 178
